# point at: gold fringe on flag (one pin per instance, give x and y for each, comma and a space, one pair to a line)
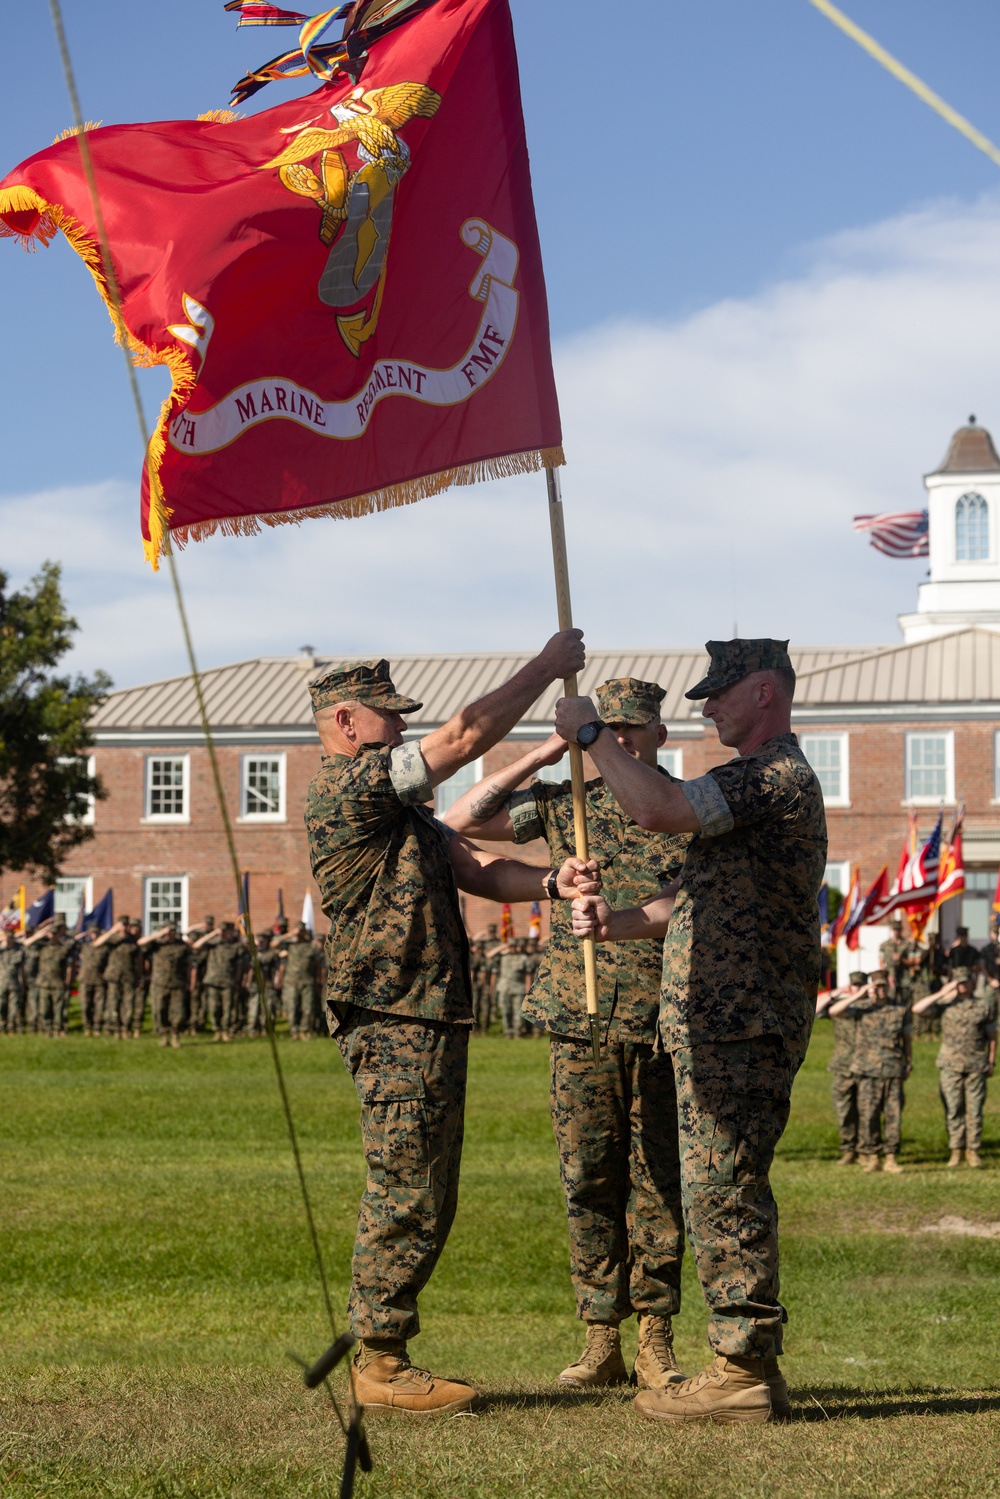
505, 466
220, 116
71, 130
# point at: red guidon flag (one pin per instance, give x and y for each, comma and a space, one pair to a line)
347, 288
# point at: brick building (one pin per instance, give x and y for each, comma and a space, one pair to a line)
888, 728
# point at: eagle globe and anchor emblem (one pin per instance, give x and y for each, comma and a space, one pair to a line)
355, 206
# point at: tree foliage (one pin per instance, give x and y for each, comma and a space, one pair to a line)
45, 789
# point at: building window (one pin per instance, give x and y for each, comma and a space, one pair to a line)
72, 898
828, 756
672, 761
165, 899
90, 803
556, 773
449, 791
972, 529
262, 798
930, 768
167, 788
996, 765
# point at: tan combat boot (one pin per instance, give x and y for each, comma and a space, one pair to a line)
955, 1159
600, 1363
891, 1165
972, 1159
655, 1365
781, 1406
847, 1158
870, 1163
385, 1380
730, 1389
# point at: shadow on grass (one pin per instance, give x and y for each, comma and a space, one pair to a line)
835, 1404
543, 1399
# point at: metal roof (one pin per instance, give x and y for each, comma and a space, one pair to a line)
970, 451
271, 692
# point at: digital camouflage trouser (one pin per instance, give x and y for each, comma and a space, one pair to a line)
53, 1003
410, 1076
732, 1103
964, 1097
12, 1008
616, 1132
299, 1000
845, 1106
510, 1002
92, 1005
481, 1007
880, 1114
221, 1005
170, 1008
119, 997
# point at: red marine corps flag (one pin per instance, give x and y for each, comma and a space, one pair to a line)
347, 288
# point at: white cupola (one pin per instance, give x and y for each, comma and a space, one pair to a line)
963, 501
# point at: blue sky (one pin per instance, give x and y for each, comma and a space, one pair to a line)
771, 280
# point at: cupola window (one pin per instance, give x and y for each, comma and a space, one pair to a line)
972, 529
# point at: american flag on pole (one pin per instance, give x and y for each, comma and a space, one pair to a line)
917, 880
897, 533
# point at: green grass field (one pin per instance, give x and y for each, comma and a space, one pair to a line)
155, 1272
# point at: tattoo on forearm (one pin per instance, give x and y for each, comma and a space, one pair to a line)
491, 801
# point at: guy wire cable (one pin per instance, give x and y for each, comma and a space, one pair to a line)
909, 80
120, 328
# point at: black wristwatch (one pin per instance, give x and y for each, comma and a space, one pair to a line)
588, 732
551, 885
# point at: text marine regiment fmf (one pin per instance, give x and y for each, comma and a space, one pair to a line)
705, 912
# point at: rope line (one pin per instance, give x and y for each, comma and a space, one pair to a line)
909, 80
115, 296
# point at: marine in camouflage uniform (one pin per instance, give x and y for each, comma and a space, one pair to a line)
398, 988
741, 967
169, 982
841, 1064
223, 975
616, 1127
479, 973
121, 975
31, 988
269, 957
11, 984
200, 961
300, 966
904, 960
91, 961
512, 976
966, 1059
55, 967
882, 1063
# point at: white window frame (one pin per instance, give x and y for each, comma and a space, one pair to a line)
948, 798
282, 814
844, 798
470, 774
148, 881
87, 881
837, 875
170, 818
982, 508
87, 820
675, 753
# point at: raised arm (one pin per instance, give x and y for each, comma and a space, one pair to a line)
482, 812
479, 726
845, 1003
946, 995
653, 801
494, 877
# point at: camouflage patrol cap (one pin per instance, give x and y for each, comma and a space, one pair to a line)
963, 975
627, 700
732, 660
365, 682
881, 977
857, 977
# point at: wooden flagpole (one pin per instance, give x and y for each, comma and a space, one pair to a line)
570, 689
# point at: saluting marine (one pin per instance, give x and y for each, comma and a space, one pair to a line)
966, 1059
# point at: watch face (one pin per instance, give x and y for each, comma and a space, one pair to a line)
588, 734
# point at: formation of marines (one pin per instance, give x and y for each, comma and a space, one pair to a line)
918, 991
187, 984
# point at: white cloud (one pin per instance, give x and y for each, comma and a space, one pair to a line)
715, 465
